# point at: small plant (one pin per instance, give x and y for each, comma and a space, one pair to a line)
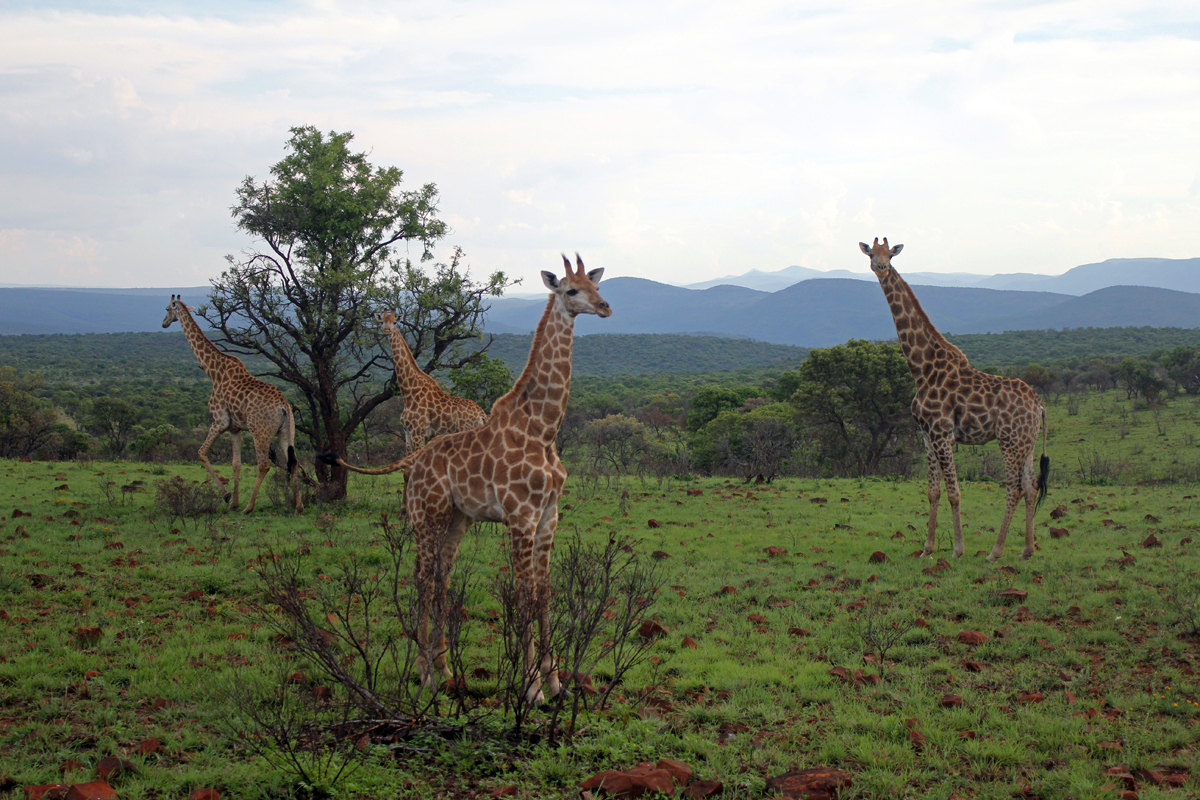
881, 631
1182, 595
184, 500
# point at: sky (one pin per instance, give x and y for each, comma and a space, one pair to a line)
674, 141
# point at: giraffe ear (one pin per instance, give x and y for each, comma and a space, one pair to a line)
551, 280
594, 275
896, 250
866, 248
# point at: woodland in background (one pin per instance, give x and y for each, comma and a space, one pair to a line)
843, 411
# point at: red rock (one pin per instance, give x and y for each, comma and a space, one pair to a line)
1151, 541
917, 739
96, 790
817, 783
653, 523
649, 629
773, 551
111, 766
759, 618
680, 772
878, 557
798, 631
1030, 697
728, 590
608, 782
966, 735
503, 791
1074, 611
699, 790
689, 643
971, 638
1012, 594
149, 746
659, 555
695, 492
658, 781
1058, 533
70, 766
204, 794
47, 791
920, 622
951, 701
161, 704
973, 666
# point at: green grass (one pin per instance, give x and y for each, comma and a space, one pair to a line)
1119, 670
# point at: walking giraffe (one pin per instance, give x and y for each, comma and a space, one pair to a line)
956, 403
429, 410
506, 471
239, 402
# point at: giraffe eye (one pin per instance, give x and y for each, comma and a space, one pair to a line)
572, 291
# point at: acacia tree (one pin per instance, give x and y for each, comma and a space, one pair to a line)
333, 233
857, 396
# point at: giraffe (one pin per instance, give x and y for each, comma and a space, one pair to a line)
956, 403
507, 471
429, 410
239, 402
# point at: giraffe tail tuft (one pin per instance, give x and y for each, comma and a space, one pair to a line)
328, 458
1043, 481
292, 463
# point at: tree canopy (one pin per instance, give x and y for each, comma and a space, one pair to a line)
333, 234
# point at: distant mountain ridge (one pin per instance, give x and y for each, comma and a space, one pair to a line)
1179, 274
816, 312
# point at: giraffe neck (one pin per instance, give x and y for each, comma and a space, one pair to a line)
212, 361
921, 342
408, 374
539, 396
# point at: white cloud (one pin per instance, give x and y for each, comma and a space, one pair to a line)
677, 141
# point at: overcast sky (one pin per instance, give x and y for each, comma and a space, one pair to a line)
676, 141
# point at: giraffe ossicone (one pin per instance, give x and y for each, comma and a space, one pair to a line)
506, 471
958, 404
239, 402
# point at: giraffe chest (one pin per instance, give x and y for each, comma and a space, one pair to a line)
966, 413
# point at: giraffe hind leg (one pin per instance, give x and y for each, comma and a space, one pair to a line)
236, 445
1032, 498
262, 449
1013, 480
953, 493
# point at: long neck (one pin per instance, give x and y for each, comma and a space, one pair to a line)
212, 360
921, 342
408, 374
540, 394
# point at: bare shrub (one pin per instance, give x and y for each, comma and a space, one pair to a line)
880, 631
184, 500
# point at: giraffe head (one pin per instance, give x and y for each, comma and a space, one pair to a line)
881, 255
388, 320
576, 293
175, 310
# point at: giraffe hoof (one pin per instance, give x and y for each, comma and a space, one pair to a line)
1028, 554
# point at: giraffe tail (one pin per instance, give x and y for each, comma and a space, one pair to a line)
1043, 480
333, 459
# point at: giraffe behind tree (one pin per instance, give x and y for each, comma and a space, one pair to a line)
239, 402
957, 404
506, 471
429, 410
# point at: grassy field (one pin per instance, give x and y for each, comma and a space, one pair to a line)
1094, 668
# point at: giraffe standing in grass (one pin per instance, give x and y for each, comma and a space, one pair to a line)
506, 471
958, 404
239, 402
429, 410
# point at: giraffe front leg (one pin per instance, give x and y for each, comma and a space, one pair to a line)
935, 495
545, 541
215, 430
448, 555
